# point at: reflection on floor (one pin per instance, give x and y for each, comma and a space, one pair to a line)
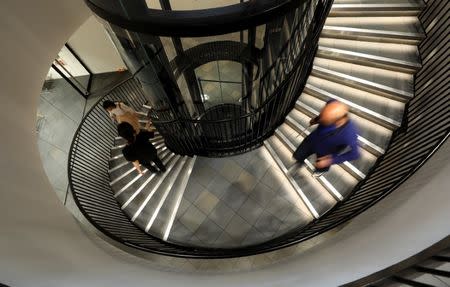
236, 201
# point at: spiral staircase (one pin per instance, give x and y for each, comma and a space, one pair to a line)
367, 57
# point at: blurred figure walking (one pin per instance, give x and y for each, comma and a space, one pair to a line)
334, 141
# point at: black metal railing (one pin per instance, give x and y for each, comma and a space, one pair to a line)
277, 91
426, 126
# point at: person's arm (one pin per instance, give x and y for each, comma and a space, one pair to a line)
352, 149
314, 121
137, 166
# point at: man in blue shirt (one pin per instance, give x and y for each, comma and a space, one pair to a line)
334, 141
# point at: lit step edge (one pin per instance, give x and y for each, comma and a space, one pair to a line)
155, 188
179, 197
117, 179
125, 187
361, 84
363, 142
347, 166
357, 109
294, 184
130, 183
323, 181
377, 6
368, 59
153, 175
118, 166
175, 175
376, 9
345, 32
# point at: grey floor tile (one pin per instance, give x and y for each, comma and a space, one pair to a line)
234, 197
206, 201
254, 237
203, 174
192, 218
231, 170
208, 232
250, 211
179, 233
221, 214
193, 190
238, 228
225, 240
279, 207
268, 224
184, 205
262, 194
273, 178
218, 185
257, 167
246, 182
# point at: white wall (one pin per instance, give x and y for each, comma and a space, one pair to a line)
94, 47
42, 245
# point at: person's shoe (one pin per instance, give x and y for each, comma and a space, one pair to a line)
318, 173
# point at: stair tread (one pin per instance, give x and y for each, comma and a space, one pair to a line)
166, 215
148, 207
393, 85
383, 106
319, 197
387, 52
374, 117
341, 181
407, 24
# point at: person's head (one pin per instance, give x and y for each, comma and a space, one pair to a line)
126, 131
333, 113
109, 105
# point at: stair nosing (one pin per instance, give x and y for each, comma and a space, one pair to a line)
369, 86
359, 110
373, 32
165, 195
310, 167
155, 188
146, 182
365, 59
311, 209
179, 198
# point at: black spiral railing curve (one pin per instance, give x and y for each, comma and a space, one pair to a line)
426, 126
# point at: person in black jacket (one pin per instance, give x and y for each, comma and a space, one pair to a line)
138, 149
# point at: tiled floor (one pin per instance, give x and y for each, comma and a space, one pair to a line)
59, 113
236, 201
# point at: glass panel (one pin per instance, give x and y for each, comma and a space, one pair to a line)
71, 67
169, 48
231, 92
192, 42
208, 71
182, 84
230, 71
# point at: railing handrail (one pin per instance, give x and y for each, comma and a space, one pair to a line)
398, 160
199, 23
